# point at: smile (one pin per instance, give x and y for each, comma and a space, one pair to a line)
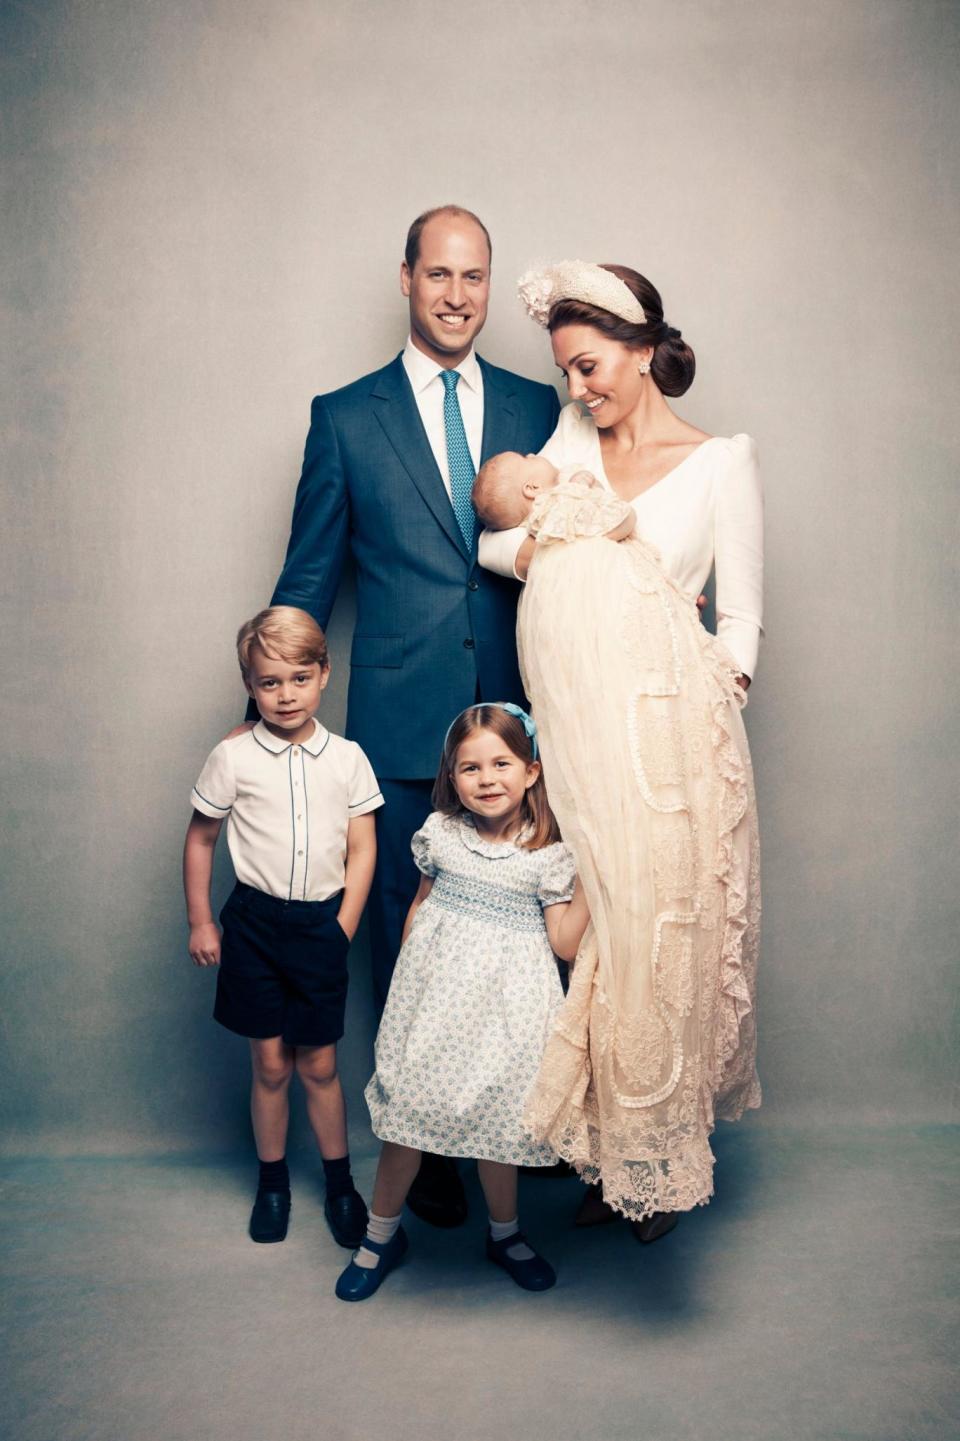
456, 322
595, 404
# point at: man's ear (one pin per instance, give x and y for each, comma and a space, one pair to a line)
404, 278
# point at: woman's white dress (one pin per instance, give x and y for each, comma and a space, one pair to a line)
648, 772
473, 998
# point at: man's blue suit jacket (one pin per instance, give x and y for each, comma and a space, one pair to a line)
433, 629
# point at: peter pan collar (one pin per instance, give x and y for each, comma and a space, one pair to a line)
491, 850
314, 744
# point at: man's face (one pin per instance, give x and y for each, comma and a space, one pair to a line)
448, 288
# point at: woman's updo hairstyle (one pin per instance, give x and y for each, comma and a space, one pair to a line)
673, 365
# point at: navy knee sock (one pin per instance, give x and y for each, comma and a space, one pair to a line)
274, 1176
337, 1176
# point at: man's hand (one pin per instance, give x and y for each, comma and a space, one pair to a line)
204, 944
701, 604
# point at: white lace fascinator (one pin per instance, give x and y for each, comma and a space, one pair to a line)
541, 288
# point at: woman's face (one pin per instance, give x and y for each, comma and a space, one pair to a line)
601, 373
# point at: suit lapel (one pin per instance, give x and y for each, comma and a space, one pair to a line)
499, 413
396, 410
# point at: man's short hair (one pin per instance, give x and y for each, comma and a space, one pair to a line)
411, 252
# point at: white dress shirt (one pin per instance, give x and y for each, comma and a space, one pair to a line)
707, 512
424, 376
287, 808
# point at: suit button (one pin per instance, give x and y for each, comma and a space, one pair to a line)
468, 643
473, 585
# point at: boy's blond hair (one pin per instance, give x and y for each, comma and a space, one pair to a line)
282, 632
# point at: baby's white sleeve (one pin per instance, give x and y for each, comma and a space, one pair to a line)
738, 553
216, 787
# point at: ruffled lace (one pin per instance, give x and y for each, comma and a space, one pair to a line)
577, 507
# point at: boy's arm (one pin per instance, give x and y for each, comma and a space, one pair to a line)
566, 923
423, 890
361, 860
204, 943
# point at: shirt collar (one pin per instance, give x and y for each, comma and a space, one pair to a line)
314, 744
421, 370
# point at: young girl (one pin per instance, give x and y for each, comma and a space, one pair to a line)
475, 990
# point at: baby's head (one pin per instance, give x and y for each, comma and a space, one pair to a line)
507, 486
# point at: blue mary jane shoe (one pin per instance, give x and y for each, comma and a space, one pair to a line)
534, 1274
356, 1283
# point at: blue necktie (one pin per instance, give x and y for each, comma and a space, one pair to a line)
459, 459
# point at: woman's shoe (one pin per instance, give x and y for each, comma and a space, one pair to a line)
534, 1274
652, 1228
593, 1209
356, 1283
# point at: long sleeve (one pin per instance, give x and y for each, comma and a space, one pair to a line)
738, 551
321, 522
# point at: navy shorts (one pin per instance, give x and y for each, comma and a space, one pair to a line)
283, 968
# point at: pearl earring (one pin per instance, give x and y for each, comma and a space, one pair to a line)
644, 367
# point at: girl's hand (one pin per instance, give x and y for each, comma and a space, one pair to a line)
204, 944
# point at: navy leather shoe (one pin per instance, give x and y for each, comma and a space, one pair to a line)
534, 1274
347, 1219
356, 1283
269, 1217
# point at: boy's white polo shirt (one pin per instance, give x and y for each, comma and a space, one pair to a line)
287, 808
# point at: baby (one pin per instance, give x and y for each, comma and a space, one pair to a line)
642, 746
511, 487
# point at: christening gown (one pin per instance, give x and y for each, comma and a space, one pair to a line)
648, 773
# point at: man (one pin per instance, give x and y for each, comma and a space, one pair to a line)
387, 472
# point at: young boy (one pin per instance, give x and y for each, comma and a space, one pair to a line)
299, 806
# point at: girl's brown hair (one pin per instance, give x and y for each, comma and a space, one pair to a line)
535, 810
673, 365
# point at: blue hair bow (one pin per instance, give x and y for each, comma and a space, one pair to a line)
527, 721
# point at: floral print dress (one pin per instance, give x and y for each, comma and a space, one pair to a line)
473, 998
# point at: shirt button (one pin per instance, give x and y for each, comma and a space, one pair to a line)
468, 643
299, 853
473, 585
299, 815
296, 751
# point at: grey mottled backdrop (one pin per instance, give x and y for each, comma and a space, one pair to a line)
204, 208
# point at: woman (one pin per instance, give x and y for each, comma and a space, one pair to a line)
657, 1036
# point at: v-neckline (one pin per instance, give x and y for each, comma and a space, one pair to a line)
640, 493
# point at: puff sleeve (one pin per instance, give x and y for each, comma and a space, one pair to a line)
423, 846
558, 876
216, 787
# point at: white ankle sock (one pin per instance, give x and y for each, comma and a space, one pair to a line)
380, 1229
500, 1230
